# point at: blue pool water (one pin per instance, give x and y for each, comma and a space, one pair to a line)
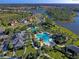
44, 36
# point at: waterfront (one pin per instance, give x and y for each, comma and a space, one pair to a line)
73, 26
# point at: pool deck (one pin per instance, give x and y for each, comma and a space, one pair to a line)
45, 38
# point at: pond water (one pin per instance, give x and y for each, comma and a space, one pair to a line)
73, 26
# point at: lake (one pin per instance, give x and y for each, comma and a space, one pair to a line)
73, 26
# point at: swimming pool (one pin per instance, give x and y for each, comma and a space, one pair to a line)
44, 36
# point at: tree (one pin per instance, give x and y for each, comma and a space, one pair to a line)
62, 14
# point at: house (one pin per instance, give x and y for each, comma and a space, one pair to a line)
1, 31
24, 21
4, 37
2, 34
5, 45
72, 50
18, 39
13, 22
3, 40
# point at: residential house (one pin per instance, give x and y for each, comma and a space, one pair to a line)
13, 22
19, 39
24, 21
72, 51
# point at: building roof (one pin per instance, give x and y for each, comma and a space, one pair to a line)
18, 39
74, 48
52, 43
15, 58
1, 31
23, 21
5, 46
4, 36
17, 42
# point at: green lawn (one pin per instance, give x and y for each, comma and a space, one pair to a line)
57, 55
30, 49
19, 52
76, 43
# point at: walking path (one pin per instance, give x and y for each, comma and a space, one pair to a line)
45, 55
